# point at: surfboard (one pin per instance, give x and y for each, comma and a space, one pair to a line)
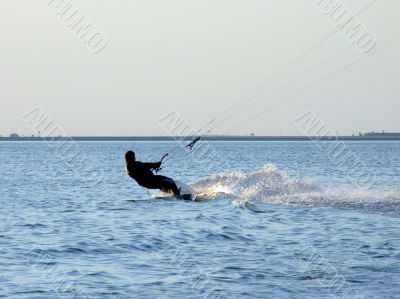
187, 193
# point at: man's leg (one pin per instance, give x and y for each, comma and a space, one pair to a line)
166, 183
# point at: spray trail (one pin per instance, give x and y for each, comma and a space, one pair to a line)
268, 185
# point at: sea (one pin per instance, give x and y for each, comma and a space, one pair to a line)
303, 219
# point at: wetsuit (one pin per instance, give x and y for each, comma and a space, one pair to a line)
142, 174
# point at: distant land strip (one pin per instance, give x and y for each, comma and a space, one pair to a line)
380, 137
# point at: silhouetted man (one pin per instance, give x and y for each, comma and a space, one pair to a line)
143, 174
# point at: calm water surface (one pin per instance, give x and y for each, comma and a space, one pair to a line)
275, 220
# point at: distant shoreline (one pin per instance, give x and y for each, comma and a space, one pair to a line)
208, 138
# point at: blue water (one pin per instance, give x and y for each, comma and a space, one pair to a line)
274, 220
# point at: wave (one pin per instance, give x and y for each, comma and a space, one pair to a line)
268, 185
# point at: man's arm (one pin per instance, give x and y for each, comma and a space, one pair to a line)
151, 166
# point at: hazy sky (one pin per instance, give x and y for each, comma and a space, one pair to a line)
196, 58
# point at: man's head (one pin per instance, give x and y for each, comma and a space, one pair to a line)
130, 157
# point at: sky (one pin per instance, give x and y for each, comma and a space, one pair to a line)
197, 58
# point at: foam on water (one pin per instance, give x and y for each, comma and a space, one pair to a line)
269, 185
